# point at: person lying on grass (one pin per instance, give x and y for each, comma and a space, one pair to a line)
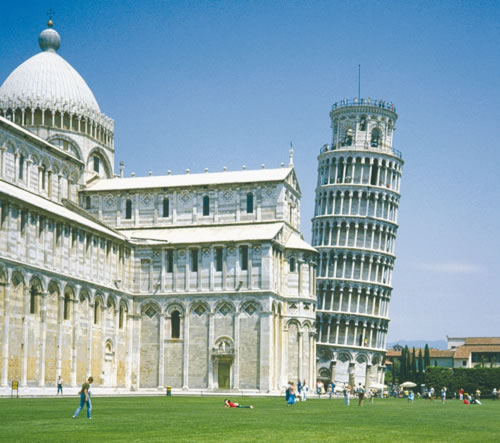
229, 404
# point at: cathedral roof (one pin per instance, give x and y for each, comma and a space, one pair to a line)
207, 234
47, 81
172, 181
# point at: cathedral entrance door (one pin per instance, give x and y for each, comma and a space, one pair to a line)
223, 371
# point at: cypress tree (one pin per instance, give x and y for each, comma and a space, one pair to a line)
420, 367
402, 367
414, 365
408, 363
427, 357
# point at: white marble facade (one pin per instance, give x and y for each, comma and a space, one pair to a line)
354, 229
200, 282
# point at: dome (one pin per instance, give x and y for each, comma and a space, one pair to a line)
47, 81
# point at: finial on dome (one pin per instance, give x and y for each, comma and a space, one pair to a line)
49, 39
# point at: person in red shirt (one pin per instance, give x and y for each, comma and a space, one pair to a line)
229, 404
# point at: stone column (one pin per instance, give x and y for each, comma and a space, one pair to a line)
265, 351
210, 363
43, 338
24, 368
301, 351
333, 371
75, 334
352, 368
367, 376
5, 339
236, 365
89, 338
130, 350
115, 339
60, 305
185, 375
161, 353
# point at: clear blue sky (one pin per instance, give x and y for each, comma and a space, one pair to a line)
230, 83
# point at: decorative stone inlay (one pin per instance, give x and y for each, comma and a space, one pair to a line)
268, 190
228, 195
186, 196
230, 251
147, 199
256, 250
206, 252
250, 308
199, 310
293, 308
224, 309
181, 252
110, 201
150, 311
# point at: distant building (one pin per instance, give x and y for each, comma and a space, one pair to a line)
462, 352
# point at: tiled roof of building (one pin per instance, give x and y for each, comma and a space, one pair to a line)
180, 180
465, 351
482, 341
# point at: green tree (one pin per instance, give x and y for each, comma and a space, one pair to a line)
427, 357
414, 365
420, 367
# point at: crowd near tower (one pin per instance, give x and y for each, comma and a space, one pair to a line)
354, 230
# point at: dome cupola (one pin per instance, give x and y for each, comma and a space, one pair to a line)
47, 92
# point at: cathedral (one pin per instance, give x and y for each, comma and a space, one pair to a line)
200, 281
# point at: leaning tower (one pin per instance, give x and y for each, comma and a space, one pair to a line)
354, 229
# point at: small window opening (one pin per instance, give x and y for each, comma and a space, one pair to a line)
96, 163
120, 317
166, 208
206, 205
87, 202
194, 260
67, 300
362, 124
176, 325
375, 140
218, 259
170, 261
292, 265
348, 138
128, 210
21, 167
249, 203
97, 312
33, 294
244, 258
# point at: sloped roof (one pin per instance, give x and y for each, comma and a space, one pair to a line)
182, 180
57, 209
296, 242
482, 341
465, 351
206, 234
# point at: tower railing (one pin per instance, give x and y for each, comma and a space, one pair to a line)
327, 147
364, 102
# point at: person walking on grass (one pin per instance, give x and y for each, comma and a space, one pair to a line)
361, 394
443, 395
346, 393
85, 399
59, 385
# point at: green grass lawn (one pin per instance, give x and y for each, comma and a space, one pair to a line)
130, 419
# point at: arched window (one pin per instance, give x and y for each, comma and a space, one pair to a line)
292, 264
206, 205
375, 140
166, 207
66, 311
348, 137
362, 124
244, 258
96, 163
87, 202
373, 180
249, 203
128, 210
175, 325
